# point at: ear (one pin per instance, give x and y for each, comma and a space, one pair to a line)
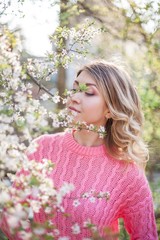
107, 114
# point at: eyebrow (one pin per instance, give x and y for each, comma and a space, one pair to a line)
87, 84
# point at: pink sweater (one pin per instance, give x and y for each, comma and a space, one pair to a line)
90, 168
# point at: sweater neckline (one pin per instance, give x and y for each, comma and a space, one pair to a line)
84, 150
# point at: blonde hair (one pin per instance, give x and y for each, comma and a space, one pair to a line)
124, 128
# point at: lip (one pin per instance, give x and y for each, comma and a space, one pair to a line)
74, 109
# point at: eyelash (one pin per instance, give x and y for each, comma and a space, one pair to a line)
86, 93
89, 94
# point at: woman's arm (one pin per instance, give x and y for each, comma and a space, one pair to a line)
138, 212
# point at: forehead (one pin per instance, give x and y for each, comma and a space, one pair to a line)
86, 78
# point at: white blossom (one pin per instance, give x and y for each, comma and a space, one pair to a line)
76, 228
35, 205
39, 231
44, 97
5, 197
32, 148
25, 224
92, 199
76, 203
87, 223
56, 99
85, 195
64, 238
13, 221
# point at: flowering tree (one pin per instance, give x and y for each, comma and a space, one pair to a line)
22, 118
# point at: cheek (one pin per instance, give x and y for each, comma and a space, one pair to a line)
94, 107
98, 104
102, 107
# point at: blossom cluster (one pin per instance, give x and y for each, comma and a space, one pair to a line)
31, 191
20, 114
83, 33
93, 196
23, 118
41, 69
65, 119
76, 39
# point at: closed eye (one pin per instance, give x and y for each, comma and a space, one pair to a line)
74, 90
89, 94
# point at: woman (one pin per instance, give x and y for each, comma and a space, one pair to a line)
111, 167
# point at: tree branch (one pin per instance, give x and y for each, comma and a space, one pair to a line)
41, 86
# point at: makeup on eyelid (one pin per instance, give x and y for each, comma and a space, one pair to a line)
91, 91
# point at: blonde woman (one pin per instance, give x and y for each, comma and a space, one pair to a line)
111, 167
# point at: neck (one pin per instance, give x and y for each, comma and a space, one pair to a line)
88, 138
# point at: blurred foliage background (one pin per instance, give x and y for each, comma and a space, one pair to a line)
131, 34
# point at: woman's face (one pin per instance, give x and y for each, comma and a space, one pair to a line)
88, 106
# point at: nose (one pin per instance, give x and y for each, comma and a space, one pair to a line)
76, 97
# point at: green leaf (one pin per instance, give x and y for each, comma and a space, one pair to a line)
34, 181
83, 87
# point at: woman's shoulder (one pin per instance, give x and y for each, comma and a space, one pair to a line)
136, 178
43, 144
131, 172
43, 141
49, 137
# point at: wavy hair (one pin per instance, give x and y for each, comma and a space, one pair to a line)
124, 128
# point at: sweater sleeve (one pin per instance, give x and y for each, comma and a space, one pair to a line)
138, 212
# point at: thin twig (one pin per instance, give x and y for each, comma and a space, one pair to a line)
41, 86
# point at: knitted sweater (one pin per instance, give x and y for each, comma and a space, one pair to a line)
90, 168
